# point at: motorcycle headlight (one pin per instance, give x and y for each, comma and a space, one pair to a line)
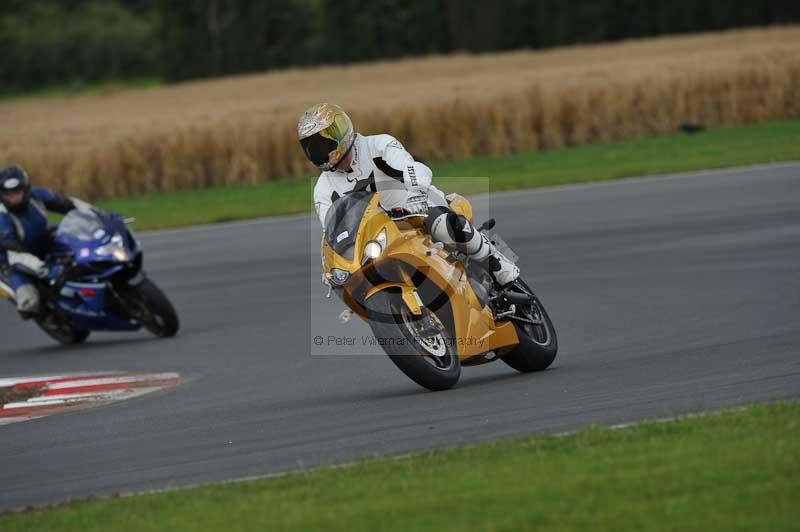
338, 276
375, 247
120, 254
113, 250
372, 250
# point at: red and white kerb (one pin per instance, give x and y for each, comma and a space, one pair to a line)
24, 398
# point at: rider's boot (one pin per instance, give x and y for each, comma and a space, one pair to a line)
503, 270
28, 301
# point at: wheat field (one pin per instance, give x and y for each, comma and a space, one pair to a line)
241, 130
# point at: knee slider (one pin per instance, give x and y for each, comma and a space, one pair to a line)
459, 228
436, 222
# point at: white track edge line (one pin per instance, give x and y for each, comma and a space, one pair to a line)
404, 456
66, 399
13, 381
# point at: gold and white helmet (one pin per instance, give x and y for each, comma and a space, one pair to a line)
326, 134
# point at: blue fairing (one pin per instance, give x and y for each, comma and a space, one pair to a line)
85, 304
97, 248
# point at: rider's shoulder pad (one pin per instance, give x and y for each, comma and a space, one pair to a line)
42, 194
379, 144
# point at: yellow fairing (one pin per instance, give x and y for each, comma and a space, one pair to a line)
423, 274
460, 205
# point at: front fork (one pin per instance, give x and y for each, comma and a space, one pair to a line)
122, 303
137, 279
408, 294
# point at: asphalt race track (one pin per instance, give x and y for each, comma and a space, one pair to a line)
670, 295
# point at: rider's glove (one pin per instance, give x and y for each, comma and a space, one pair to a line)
55, 274
417, 204
412, 204
415, 208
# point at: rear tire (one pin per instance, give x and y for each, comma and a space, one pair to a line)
157, 313
62, 333
538, 344
394, 329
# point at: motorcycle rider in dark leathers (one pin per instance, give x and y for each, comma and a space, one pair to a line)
25, 237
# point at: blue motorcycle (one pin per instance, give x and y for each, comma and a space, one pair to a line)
99, 284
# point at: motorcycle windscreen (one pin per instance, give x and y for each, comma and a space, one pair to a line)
81, 225
342, 221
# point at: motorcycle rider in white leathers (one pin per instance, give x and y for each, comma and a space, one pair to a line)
381, 163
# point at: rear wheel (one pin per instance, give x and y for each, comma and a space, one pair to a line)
538, 344
152, 309
418, 345
61, 332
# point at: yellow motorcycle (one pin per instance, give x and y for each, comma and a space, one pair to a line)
431, 309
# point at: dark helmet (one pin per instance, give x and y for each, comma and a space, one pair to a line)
14, 179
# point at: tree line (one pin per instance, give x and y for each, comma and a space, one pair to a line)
55, 42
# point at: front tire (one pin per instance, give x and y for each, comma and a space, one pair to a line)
538, 343
153, 309
430, 361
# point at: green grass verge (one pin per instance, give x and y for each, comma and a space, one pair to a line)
777, 141
736, 470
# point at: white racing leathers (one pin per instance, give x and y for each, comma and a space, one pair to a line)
380, 163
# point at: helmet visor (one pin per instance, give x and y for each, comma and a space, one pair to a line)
318, 148
11, 185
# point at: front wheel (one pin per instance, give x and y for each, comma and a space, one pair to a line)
152, 309
538, 344
419, 346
